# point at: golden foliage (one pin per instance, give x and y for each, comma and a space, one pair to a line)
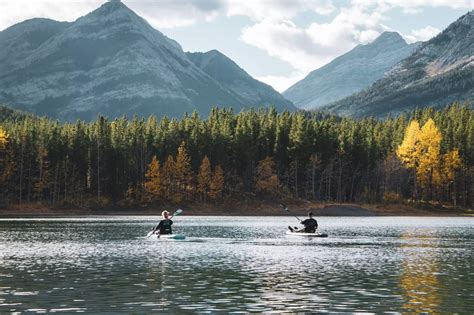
3, 139
168, 176
421, 151
217, 183
450, 162
153, 181
428, 153
267, 180
183, 171
407, 151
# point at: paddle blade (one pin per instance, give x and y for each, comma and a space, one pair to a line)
149, 234
177, 212
284, 207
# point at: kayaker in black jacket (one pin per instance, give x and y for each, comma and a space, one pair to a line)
310, 224
164, 227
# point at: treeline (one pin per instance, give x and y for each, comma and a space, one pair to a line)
250, 155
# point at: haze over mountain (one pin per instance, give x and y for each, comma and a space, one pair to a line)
350, 72
439, 72
112, 62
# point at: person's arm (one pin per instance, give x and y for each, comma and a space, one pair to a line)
157, 228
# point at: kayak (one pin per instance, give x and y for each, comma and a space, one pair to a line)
171, 237
302, 234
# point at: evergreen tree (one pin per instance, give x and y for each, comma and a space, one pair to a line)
267, 180
217, 183
153, 181
204, 178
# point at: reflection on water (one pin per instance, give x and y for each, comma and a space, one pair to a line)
237, 264
419, 276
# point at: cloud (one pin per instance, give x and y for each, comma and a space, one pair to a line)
422, 34
307, 48
282, 83
358, 22
415, 4
165, 14
16, 11
277, 9
159, 13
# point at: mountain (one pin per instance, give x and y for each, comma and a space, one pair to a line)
439, 72
350, 72
229, 74
109, 62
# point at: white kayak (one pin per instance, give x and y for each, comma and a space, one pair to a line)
302, 234
169, 237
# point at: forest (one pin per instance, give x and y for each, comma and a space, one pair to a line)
426, 156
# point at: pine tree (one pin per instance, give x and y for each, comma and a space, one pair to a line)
7, 164
41, 182
153, 181
204, 178
169, 182
217, 183
183, 172
267, 181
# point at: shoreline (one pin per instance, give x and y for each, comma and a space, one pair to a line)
242, 209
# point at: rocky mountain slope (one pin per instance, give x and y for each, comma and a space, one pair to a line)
350, 72
109, 62
230, 75
439, 72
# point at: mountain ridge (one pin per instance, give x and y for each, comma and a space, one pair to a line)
110, 62
350, 72
439, 72
228, 73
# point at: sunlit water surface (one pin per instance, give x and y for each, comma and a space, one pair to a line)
237, 264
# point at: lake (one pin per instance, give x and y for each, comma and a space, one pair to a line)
237, 264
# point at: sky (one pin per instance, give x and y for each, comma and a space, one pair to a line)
276, 41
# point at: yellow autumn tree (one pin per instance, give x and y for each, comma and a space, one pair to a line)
421, 151
217, 183
183, 172
204, 178
450, 163
153, 181
3, 140
267, 181
407, 151
444, 176
168, 178
428, 153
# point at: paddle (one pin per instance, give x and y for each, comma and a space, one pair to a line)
288, 210
177, 212
295, 228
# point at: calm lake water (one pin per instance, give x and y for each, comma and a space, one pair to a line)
237, 264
